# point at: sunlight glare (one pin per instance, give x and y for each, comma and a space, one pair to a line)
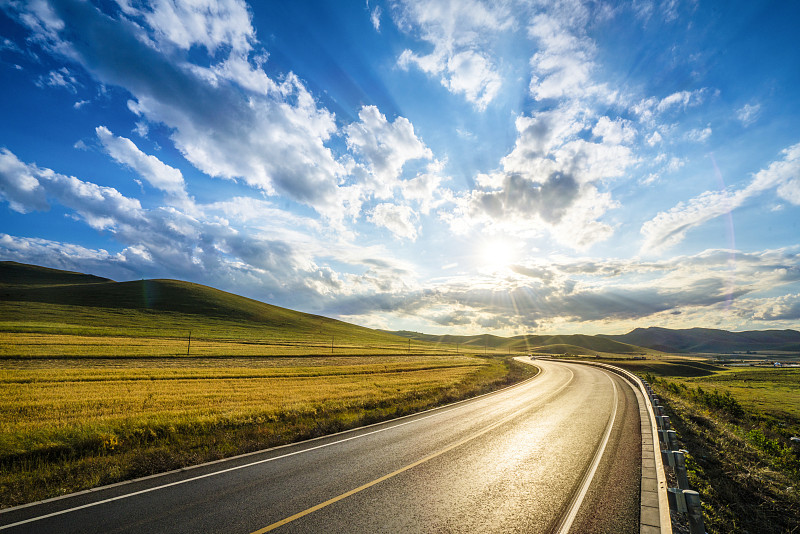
497, 254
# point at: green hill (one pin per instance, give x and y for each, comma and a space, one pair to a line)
33, 295
530, 342
711, 340
562, 348
21, 274
592, 343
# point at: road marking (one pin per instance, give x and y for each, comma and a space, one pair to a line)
442, 410
566, 522
431, 456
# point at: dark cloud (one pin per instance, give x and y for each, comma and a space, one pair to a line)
520, 197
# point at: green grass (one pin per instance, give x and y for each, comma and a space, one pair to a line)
736, 424
672, 367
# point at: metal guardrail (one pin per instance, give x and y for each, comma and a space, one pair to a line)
681, 499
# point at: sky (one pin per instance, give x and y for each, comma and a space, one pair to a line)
442, 166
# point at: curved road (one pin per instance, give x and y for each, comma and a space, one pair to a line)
558, 453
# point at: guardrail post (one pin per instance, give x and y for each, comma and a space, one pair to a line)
672, 439
663, 422
695, 511
676, 500
680, 470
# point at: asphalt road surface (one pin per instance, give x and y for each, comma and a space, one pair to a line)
558, 453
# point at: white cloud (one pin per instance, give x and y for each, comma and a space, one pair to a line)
229, 120
748, 114
27, 187
19, 185
563, 65
458, 30
375, 18
681, 99
424, 189
398, 219
699, 136
549, 181
654, 139
385, 147
142, 129
669, 228
210, 23
59, 78
473, 75
157, 173
614, 131
649, 108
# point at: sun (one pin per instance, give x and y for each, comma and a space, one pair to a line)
497, 254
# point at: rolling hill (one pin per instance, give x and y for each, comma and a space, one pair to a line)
576, 343
32, 293
707, 340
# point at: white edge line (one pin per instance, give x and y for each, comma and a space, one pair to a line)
663, 504
567, 524
439, 410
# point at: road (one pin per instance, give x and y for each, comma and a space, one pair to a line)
558, 453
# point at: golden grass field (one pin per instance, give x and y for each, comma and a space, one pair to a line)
71, 423
45, 404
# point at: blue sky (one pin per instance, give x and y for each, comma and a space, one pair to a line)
439, 166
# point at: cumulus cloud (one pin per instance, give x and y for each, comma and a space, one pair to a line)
398, 219
456, 29
212, 24
784, 308
27, 187
669, 228
228, 119
19, 185
648, 109
384, 147
157, 173
699, 135
563, 65
424, 189
549, 181
59, 78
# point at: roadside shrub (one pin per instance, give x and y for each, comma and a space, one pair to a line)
724, 402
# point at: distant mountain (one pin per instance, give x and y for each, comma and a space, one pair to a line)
710, 340
533, 343
638, 341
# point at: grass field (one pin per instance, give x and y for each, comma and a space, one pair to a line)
736, 424
68, 424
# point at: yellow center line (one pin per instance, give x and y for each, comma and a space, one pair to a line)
338, 498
